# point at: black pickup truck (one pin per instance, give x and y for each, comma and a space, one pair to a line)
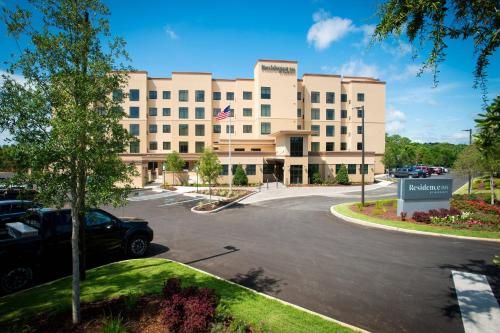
44, 235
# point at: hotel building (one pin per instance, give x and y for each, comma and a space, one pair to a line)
283, 128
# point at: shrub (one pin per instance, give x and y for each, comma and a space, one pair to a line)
342, 176
360, 207
188, 310
330, 180
113, 325
422, 217
316, 178
240, 178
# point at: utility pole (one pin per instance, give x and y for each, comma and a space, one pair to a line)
469, 187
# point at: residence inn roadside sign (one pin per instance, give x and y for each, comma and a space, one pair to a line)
278, 69
423, 194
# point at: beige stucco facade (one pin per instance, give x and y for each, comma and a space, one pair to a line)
284, 128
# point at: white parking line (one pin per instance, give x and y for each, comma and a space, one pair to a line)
478, 305
153, 196
179, 202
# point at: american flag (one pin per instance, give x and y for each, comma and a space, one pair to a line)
224, 113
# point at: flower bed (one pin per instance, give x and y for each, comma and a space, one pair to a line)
209, 206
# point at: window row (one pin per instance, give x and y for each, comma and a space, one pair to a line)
330, 130
199, 95
199, 129
250, 169
330, 97
199, 112
330, 146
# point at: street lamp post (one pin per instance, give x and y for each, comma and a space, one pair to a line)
362, 108
469, 187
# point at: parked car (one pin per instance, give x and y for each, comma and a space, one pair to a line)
437, 170
12, 210
44, 235
17, 193
427, 170
407, 173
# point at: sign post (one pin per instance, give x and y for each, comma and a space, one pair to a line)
423, 194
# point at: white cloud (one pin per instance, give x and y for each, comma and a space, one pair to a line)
408, 72
368, 30
357, 67
327, 29
396, 121
398, 50
16, 77
170, 32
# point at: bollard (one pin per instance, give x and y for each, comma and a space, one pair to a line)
267, 183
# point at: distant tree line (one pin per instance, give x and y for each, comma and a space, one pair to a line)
401, 151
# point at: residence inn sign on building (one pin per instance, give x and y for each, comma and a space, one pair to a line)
282, 128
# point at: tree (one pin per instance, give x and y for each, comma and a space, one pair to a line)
439, 21
488, 141
63, 119
209, 168
240, 177
342, 176
174, 163
469, 161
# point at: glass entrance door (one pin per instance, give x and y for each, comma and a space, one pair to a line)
295, 174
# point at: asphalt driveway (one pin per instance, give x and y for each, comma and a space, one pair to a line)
296, 250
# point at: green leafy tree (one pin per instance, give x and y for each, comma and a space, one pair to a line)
469, 161
63, 119
488, 141
440, 21
240, 177
342, 176
209, 168
174, 163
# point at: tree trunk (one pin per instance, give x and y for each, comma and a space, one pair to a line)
82, 247
75, 253
492, 188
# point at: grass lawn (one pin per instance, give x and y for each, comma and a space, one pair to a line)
345, 210
464, 188
146, 276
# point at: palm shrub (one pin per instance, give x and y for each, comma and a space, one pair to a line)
342, 177
240, 177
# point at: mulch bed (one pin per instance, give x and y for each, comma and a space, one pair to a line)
217, 204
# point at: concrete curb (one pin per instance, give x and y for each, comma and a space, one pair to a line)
298, 307
223, 207
408, 231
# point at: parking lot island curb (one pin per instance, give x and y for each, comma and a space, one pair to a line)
408, 231
298, 307
223, 207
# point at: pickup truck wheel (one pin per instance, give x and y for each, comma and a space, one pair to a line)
137, 246
16, 278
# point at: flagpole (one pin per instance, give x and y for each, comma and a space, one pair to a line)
230, 164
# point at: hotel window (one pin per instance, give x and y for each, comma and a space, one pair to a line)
330, 130
351, 169
330, 114
360, 113
265, 110
315, 130
359, 146
343, 146
166, 112
343, 114
230, 96
247, 128
239, 149
265, 92
133, 94
225, 170
152, 94
315, 96
299, 96
314, 147
199, 113
315, 114
153, 128
296, 146
134, 147
337, 168
361, 97
251, 170
247, 112
216, 129
199, 146
343, 98
153, 112
166, 145
134, 129
299, 127
183, 95
133, 112
166, 129
183, 113
183, 147
330, 97
265, 128
183, 130
199, 95
199, 130
215, 112
166, 94
299, 113
255, 149
363, 169
153, 145
230, 128
216, 96
247, 95
330, 146
343, 129
360, 129
117, 95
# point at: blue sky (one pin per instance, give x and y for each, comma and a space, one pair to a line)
227, 37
